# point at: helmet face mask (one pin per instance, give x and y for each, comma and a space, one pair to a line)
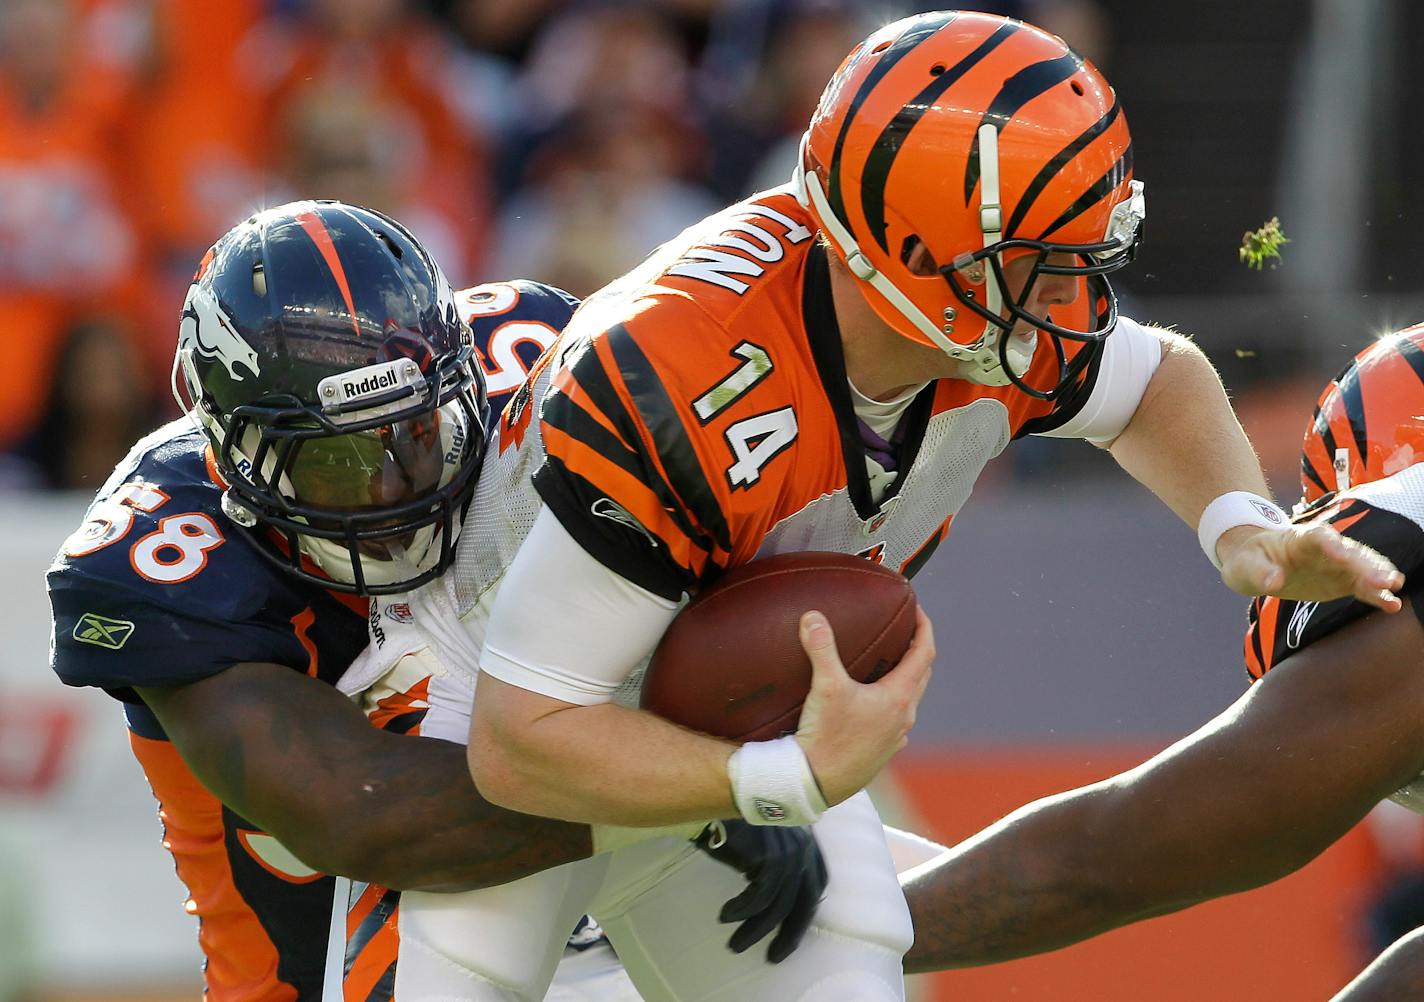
984, 139
344, 409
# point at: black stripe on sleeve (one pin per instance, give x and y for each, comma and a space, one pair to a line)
623, 449
1066, 407
624, 547
674, 448
568, 417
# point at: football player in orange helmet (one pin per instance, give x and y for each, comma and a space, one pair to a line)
947, 186
823, 366
1333, 725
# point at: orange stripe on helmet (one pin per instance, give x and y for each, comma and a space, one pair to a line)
321, 236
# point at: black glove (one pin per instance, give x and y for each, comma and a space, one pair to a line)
786, 877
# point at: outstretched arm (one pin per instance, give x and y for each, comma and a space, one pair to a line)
1185, 444
293, 755
1251, 796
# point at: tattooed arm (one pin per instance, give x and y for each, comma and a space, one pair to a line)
1251, 796
295, 757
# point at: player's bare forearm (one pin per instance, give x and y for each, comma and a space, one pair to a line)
602, 764
1396, 974
294, 756
1251, 796
1005, 893
1184, 442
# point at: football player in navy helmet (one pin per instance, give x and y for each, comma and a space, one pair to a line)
221, 584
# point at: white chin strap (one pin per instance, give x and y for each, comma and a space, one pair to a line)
981, 359
335, 560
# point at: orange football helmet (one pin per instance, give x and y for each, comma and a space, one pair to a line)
1369, 422
982, 138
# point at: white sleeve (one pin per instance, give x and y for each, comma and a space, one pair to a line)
566, 626
1131, 355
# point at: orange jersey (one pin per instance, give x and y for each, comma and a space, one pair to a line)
1387, 515
697, 415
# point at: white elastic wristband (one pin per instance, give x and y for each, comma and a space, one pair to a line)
772, 783
1232, 509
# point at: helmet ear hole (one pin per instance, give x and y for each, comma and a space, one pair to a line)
916, 256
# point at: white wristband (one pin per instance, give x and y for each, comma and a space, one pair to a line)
772, 783
1232, 509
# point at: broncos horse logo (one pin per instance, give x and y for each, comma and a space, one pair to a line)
207, 331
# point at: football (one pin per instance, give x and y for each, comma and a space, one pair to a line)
731, 663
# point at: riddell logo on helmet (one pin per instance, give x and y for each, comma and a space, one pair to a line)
372, 383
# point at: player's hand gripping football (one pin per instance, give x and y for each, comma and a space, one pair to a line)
1312, 563
786, 877
849, 729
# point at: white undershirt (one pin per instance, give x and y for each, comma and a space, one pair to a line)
1131, 355
582, 648
602, 627
882, 416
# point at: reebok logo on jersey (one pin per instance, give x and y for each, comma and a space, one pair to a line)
101, 631
610, 509
1296, 629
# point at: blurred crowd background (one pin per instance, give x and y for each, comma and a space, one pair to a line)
561, 140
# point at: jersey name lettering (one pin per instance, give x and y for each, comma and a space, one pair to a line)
717, 267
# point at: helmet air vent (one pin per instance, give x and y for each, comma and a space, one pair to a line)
391, 245
259, 280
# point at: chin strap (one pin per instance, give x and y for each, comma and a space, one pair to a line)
982, 362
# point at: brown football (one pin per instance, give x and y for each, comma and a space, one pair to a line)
731, 663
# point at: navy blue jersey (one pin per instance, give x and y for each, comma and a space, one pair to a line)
158, 587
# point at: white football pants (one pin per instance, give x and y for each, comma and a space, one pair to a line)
658, 902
